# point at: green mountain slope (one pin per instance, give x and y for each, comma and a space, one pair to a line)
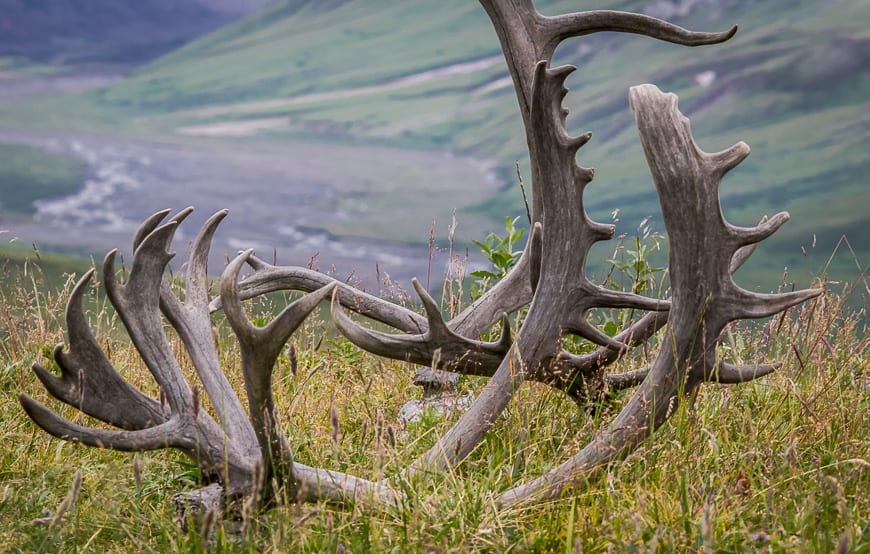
794, 84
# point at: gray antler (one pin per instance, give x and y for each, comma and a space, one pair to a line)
705, 298
453, 350
241, 453
100, 391
246, 452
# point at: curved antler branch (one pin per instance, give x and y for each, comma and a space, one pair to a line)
164, 435
438, 342
528, 37
556, 29
268, 278
260, 348
89, 382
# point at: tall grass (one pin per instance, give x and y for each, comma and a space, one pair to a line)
777, 465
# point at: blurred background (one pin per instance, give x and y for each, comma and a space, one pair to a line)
357, 135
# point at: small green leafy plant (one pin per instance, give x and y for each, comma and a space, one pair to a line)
635, 262
499, 250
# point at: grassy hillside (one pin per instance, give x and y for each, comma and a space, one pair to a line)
794, 84
28, 174
21, 263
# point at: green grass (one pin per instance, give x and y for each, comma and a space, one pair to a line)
28, 174
51, 269
778, 465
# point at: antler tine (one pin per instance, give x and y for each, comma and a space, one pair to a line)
191, 321
594, 296
455, 352
196, 282
166, 434
727, 373
754, 235
148, 226
437, 328
260, 348
137, 303
724, 373
742, 255
620, 381
89, 382
581, 327
753, 305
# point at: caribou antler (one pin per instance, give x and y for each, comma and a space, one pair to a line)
705, 297
245, 453
90, 383
241, 453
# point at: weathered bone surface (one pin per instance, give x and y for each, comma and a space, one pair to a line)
241, 452
705, 298
244, 453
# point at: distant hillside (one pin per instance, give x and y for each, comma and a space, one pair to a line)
113, 31
794, 83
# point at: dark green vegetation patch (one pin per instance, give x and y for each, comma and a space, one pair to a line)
28, 174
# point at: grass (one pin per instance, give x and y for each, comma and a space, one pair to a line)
25, 262
776, 465
28, 174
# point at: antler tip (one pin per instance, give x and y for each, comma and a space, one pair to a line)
109, 260
181, 215
731, 32
82, 283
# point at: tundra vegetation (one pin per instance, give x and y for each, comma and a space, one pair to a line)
577, 439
